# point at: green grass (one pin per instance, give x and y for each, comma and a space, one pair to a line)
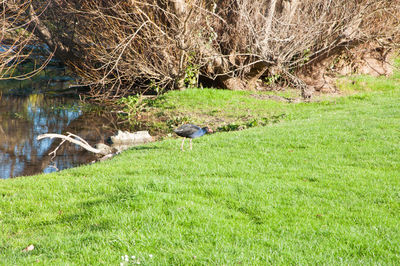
320, 187
229, 105
221, 110
366, 83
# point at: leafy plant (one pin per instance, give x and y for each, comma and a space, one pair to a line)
272, 79
252, 123
191, 76
177, 121
132, 106
229, 127
306, 56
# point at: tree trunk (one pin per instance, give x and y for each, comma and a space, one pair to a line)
232, 83
40, 30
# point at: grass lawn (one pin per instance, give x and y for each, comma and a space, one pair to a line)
322, 186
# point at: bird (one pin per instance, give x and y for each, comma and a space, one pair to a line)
191, 131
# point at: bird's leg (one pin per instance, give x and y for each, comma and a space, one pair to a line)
190, 144
183, 141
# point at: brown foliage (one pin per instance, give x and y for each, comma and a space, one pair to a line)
122, 47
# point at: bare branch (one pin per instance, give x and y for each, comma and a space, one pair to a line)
71, 138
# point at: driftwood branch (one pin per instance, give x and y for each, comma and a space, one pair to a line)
73, 139
54, 152
122, 141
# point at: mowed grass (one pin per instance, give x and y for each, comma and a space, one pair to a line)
320, 187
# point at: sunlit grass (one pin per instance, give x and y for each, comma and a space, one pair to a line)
320, 187
366, 83
222, 108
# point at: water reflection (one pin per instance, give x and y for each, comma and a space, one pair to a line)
27, 110
22, 119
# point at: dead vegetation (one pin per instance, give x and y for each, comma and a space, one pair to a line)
125, 47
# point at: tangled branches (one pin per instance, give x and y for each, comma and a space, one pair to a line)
15, 41
124, 47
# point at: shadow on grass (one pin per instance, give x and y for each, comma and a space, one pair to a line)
82, 213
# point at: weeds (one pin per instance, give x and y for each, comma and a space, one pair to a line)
177, 121
263, 121
192, 76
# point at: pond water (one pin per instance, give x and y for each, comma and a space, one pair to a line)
32, 107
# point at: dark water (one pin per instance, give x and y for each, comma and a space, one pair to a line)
29, 108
